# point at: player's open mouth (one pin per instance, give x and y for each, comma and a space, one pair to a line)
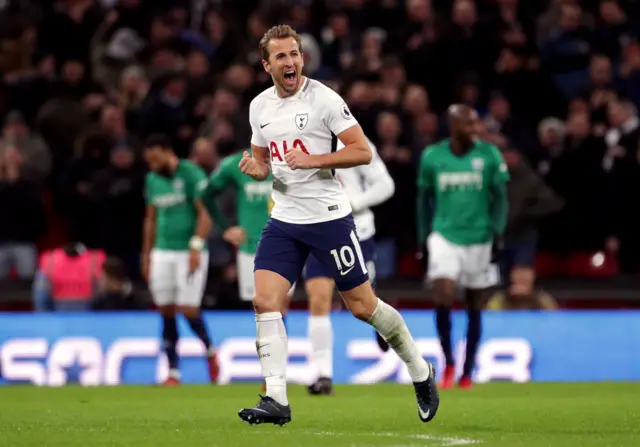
290, 78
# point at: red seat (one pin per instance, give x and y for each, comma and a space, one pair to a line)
592, 265
409, 267
549, 264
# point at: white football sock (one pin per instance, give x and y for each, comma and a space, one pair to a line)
272, 351
321, 336
390, 324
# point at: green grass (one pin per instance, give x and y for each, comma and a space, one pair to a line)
505, 415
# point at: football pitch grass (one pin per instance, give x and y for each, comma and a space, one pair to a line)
505, 415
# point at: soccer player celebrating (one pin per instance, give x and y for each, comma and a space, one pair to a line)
462, 208
174, 258
365, 186
295, 128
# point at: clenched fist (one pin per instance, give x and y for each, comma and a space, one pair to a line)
297, 159
253, 168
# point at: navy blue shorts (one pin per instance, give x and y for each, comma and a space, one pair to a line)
285, 247
315, 269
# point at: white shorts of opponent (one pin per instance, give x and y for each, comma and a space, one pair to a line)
246, 284
170, 281
469, 266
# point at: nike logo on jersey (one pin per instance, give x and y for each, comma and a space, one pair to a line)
424, 415
344, 272
262, 126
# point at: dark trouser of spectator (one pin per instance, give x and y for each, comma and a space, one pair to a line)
19, 255
517, 264
131, 262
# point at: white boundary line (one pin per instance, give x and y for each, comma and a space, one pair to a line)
443, 441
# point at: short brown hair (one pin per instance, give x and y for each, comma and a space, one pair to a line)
277, 32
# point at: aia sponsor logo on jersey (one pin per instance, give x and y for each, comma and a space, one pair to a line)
278, 153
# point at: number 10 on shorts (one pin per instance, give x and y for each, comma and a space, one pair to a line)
345, 259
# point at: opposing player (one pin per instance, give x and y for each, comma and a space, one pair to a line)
462, 208
253, 206
174, 257
365, 186
295, 128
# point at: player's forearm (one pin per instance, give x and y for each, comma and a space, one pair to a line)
148, 235
352, 155
499, 208
219, 219
210, 202
203, 225
424, 214
263, 157
379, 192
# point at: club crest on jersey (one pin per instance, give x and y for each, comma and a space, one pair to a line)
178, 183
477, 164
301, 120
345, 112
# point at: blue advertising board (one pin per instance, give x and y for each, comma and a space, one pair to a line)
124, 348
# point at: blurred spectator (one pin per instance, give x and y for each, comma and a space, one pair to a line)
134, 87
466, 39
117, 195
622, 161
525, 86
203, 153
500, 120
24, 222
566, 55
35, 158
116, 291
601, 90
614, 28
67, 279
538, 300
630, 72
165, 111
76, 184
530, 201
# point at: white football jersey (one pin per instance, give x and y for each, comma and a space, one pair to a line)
310, 121
366, 186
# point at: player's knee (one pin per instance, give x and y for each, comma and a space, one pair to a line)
284, 306
320, 293
320, 305
265, 302
167, 311
361, 302
444, 292
189, 312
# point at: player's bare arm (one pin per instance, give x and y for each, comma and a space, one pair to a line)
356, 152
148, 237
256, 165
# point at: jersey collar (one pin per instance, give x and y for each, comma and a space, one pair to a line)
298, 94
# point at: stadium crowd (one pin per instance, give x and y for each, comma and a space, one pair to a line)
556, 84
